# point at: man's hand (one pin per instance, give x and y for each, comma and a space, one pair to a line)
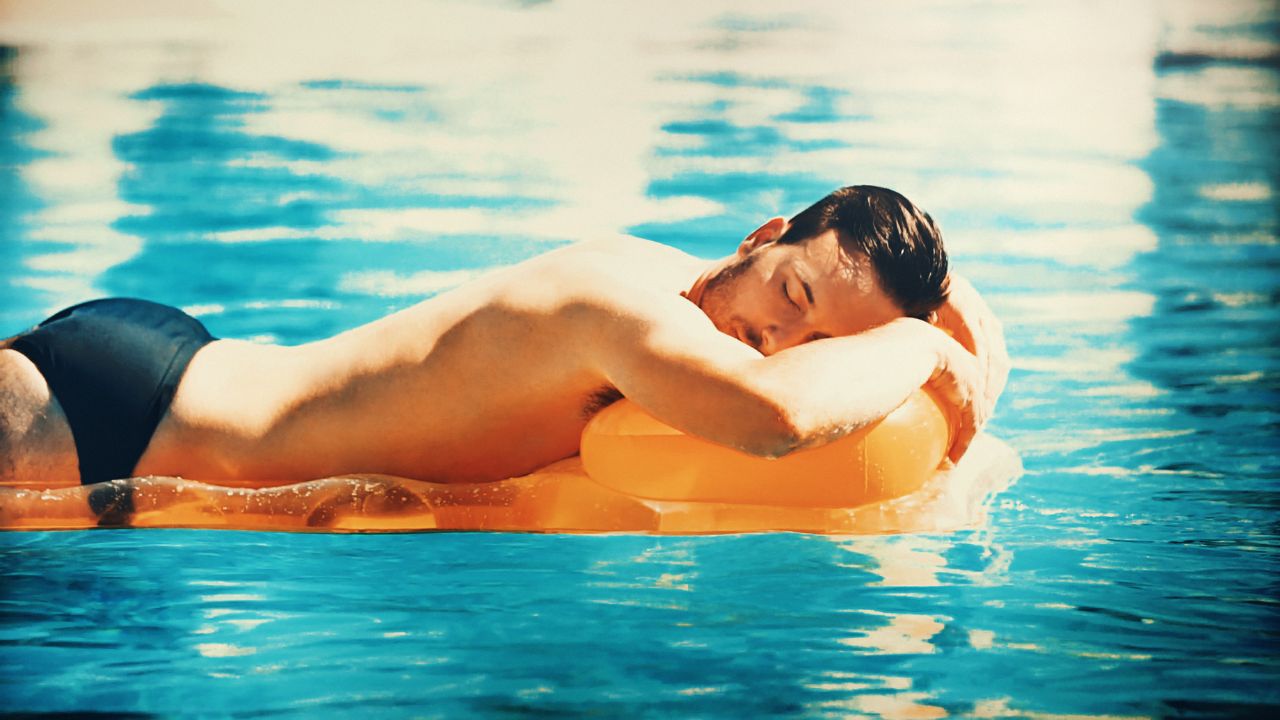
953, 374
966, 316
957, 380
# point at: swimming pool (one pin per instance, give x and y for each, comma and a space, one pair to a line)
1106, 175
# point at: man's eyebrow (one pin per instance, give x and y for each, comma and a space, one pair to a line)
808, 292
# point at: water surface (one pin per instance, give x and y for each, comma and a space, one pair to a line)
1106, 175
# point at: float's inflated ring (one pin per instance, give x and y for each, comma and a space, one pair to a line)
626, 449
635, 475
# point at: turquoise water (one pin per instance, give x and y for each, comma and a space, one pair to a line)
1105, 175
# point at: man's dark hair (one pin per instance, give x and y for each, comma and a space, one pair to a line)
901, 240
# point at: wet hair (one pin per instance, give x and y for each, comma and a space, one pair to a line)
901, 240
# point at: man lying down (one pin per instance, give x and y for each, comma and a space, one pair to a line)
812, 329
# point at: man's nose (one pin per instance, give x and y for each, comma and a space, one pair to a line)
775, 338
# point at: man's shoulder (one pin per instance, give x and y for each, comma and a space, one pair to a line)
623, 245
618, 265
622, 277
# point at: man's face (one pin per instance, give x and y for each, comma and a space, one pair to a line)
773, 297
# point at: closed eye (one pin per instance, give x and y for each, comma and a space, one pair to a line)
787, 295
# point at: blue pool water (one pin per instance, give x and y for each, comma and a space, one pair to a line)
1105, 174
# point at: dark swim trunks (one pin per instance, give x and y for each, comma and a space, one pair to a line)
113, 365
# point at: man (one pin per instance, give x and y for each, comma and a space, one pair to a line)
812, 329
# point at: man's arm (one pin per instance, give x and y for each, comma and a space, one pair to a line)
966, 316
674, 363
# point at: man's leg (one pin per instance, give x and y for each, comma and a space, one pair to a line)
36, 445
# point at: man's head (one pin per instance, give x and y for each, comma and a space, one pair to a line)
858, 258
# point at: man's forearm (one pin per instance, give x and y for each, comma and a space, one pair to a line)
832, 387
708, 384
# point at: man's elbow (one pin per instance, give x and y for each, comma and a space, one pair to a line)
777, 438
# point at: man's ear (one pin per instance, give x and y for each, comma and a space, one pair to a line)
763, 235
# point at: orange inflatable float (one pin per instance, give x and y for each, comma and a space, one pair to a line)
635, 474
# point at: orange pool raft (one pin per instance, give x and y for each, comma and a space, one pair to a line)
635, 474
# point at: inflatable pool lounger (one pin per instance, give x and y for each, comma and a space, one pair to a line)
635, 474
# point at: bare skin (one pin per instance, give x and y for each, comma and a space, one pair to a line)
499, 377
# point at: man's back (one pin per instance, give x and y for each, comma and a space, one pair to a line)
488, 381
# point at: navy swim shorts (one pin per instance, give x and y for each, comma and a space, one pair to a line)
113, 366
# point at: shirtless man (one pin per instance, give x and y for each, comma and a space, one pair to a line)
498, 378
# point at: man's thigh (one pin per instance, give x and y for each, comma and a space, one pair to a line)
36, 445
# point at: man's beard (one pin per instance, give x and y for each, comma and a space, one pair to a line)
720, 291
